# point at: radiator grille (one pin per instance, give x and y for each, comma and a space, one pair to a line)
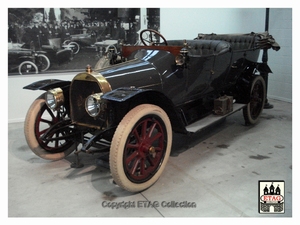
80, 90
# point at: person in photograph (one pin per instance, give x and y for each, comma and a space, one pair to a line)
35, 35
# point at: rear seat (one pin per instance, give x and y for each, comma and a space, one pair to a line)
203, 47
207, 47
237, 41
54, 44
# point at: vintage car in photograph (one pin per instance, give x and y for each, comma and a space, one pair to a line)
24, 60
59, 53
86, 38
130, 105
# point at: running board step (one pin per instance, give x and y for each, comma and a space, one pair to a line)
211, 119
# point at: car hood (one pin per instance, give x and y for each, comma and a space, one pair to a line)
78, 36
144, 69
20, 50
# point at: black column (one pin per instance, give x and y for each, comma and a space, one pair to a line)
265, 75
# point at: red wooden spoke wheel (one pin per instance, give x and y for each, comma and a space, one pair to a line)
140, 147
38, 120
254, 108
145, 149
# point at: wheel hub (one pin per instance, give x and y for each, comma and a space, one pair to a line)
151, 150
146, 149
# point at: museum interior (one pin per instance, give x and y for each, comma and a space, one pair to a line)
237, 166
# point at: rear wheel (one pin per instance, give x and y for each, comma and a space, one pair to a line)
140, 147
72, 45
42, 62
75, 47
38, 120
254, 108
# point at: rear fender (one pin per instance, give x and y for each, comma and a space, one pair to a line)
252, 67
263, 68
243, 85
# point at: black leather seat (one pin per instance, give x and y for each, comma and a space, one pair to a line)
237, 42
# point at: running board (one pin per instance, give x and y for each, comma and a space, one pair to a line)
211, 119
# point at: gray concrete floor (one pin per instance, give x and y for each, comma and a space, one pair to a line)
217, 171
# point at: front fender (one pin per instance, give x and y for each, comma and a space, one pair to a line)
27, 57
135, 96
50, 84
122, 94
40, 52
47, 84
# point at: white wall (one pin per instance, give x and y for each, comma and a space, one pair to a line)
280, 81
20, 99
177, 23
184, 23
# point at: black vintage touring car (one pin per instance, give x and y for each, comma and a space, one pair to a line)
133, 100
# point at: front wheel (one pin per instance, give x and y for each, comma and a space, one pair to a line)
38, 120
140, 147
254, 108
28, 67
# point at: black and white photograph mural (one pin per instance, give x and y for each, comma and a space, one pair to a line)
43, 40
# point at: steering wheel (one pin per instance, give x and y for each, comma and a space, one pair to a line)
147, 36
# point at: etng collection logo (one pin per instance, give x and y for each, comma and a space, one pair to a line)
271, 196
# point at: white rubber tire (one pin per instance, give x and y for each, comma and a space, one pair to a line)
31, 64
119, 140
47, 60
259, 99
29, 131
